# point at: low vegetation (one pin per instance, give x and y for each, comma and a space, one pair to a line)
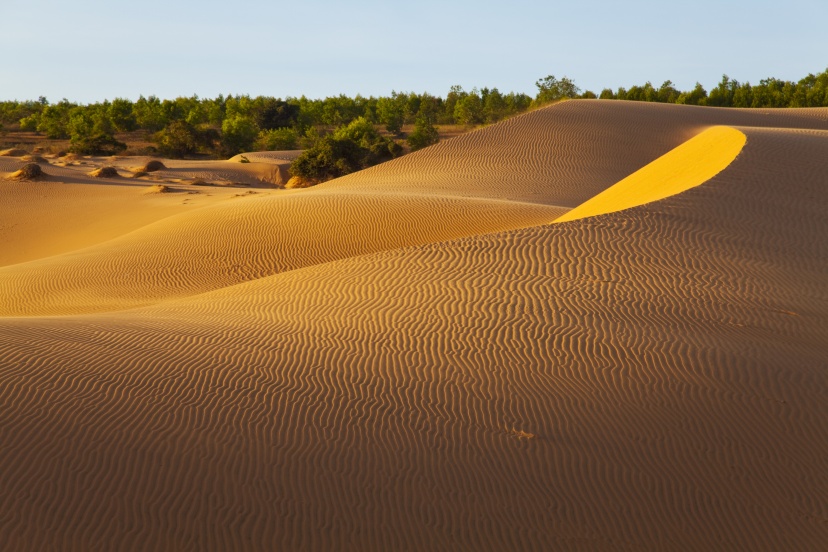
352, 147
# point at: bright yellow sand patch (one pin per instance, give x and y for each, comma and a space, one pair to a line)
694, 162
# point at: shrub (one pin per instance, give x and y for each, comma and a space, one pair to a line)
351, 148
98, 144
424, 134
277, 139
551, 89
238, 133
180, 139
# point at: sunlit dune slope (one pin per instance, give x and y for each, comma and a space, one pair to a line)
652, 378
691, 164
243, 239
68, 209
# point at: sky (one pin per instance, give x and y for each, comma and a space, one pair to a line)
91, 50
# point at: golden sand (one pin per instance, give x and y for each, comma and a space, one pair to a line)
413, 358
687, 166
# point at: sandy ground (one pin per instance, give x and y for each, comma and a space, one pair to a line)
415, 358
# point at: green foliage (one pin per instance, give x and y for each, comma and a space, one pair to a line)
181, 139
697, 96
424, 134
238, 133
91, 131
468, 110
270, 113
96, 144
494, 105
351, 148
393, 111
551, 89
277, 139
54, 119
225, 125
149, 113
30, 122
122, 116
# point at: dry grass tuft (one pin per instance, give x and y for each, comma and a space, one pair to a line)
34, 159
105, 172
30, 171
297, 182
158, 189
152, 166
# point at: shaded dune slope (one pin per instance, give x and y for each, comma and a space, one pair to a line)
653, 378
565, 154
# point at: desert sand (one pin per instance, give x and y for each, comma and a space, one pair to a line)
600, 325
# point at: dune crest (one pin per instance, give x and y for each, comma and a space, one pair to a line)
689, 165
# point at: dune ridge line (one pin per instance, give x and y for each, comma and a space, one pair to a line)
689, 165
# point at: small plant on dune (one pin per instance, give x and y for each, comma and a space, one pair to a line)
30, 171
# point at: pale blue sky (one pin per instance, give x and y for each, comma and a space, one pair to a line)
90, 50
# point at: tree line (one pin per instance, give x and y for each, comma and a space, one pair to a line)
226, 125
339, 132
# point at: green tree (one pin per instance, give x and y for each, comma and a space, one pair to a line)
178, 139
54, 119
149, 113
697, 96
238, 133
392, 112
551, 89
351, 148
121, 114
277, 139
271, 113
424, 134
468, 110
91, 131
494, 105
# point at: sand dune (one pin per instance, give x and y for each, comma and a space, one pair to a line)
413, 358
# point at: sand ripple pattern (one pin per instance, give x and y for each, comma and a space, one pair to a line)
650, 379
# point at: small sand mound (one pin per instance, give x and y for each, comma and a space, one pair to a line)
158, 189
296, 182
71, 157
13, 152
34, 159
105, 172
139, 174
200, 182
30, 171
153, 166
